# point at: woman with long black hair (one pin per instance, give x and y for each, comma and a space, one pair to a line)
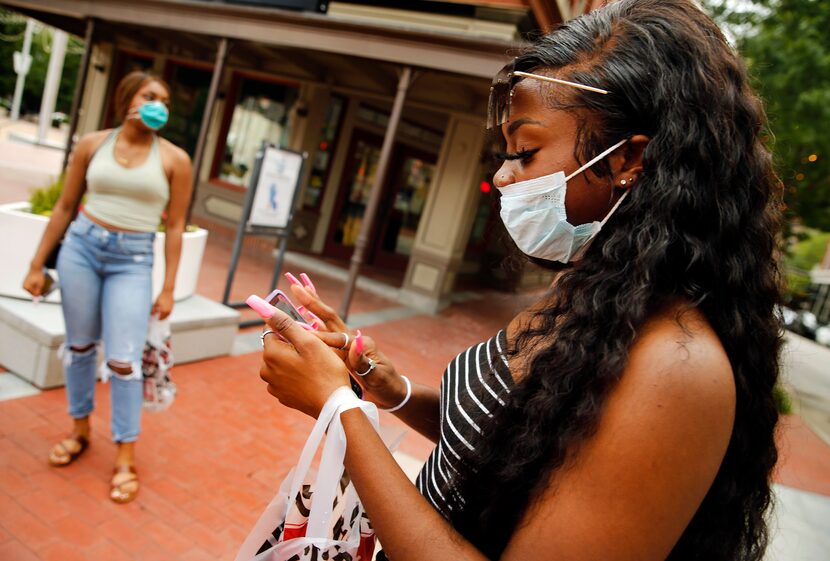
629, 414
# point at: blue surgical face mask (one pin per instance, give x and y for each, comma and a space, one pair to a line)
533, 212
153, 114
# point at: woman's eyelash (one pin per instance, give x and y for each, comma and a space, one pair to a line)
520, 155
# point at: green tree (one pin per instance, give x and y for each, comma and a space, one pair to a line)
786, 44
12, 26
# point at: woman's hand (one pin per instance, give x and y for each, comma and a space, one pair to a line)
322, 317
383, 386
34, 281
300, 369
313, 308
163, 305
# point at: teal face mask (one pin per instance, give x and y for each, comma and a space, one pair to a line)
154, 114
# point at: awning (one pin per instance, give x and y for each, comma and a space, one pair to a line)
447, 52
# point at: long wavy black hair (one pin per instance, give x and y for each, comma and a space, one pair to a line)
700, 225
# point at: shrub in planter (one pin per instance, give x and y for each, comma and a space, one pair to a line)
43, 200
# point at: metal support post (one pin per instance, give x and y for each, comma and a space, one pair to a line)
362, 242
241, 227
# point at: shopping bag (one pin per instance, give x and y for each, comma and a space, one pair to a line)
156, 362
320, 516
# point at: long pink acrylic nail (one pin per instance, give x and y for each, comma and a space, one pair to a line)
358, 343
260, 306
315, 318
308, 283
293, 280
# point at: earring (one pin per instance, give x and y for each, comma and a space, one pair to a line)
623, 182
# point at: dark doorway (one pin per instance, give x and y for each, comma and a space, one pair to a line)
405, 191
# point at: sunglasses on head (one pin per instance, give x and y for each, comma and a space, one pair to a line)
501, 92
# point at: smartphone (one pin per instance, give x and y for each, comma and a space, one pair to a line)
279, 300
50, 285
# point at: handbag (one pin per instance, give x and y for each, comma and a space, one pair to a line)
156, 362
317, 517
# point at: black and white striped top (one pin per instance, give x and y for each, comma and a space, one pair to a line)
474, 385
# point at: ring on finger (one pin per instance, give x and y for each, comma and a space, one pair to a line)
264, 333
368, 370
346, 341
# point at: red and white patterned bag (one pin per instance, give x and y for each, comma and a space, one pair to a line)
156, 362
317, 517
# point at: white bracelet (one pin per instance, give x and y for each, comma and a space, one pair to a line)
405, 400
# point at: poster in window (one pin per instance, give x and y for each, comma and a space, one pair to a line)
275, 187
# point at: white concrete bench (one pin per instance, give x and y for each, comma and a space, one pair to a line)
30, 336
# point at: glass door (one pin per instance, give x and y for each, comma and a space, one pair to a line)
401, 206
405, 194
355, 187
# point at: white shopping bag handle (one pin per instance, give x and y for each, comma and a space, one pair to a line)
331, 464
342, 397
310, 448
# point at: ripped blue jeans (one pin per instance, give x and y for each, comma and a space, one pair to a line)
106, 295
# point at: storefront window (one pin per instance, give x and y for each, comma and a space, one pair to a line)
188, 93
260, 112
321, 163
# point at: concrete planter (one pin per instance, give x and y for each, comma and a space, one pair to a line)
21, 231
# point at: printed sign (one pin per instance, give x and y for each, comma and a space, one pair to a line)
278, 179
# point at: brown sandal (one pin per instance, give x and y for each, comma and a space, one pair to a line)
64, 455
128, 475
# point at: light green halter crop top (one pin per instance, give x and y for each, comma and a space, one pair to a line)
128, 198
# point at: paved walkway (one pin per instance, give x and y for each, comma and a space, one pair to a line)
211, 463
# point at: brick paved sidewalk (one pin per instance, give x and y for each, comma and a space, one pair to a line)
210, 464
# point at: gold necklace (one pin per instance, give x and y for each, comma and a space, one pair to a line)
119, 159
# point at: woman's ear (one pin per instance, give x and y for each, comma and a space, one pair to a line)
628, 165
